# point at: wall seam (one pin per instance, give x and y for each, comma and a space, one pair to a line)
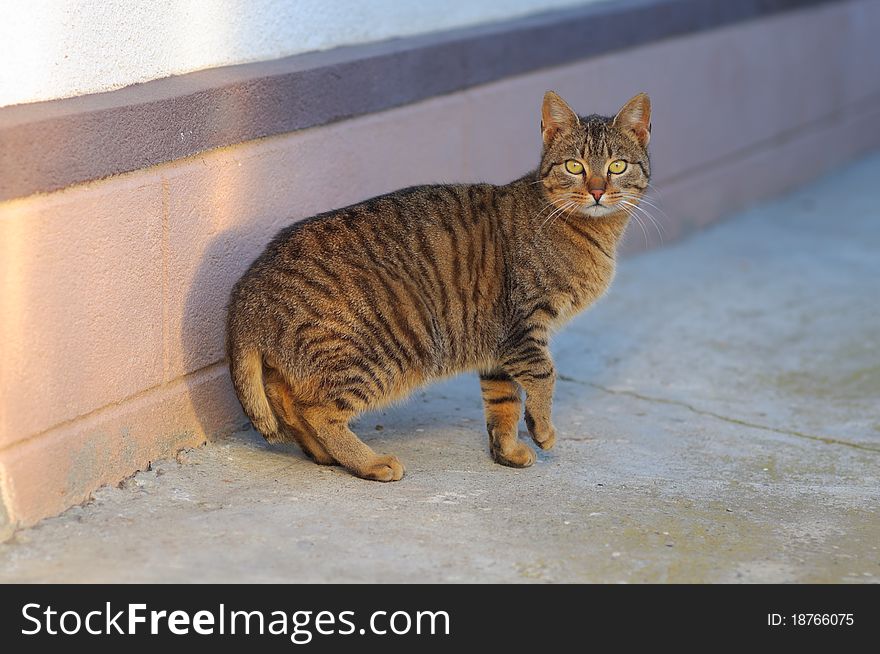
140, 395
166, 284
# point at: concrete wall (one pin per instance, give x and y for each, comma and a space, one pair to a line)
113, 292
62, 48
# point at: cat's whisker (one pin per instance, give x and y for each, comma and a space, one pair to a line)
547, 206
550, 204
655, 190
640, 201
564, 210
549, 216
647, 215
635, 216
644, 231
643, 212
643, 200
658, 226
634, 209
547, 211
567, 210
649, 203
567, 205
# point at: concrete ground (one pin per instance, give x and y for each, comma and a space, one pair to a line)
718, 419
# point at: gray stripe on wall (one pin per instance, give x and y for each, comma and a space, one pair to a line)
49, 145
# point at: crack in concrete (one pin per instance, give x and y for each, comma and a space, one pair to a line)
703, 412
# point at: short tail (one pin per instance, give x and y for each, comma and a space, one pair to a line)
246, 366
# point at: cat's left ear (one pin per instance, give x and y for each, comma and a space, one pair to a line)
635, 118
556, 117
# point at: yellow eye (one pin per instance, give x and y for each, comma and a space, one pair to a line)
617, 167
574, 167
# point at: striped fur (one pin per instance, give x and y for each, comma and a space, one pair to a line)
353, 309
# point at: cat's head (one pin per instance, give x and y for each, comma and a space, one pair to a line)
595, 165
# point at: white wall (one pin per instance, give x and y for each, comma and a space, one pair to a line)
60, 48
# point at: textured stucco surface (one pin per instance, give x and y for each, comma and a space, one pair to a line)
717, 419
58, 48
80, 328
7, 527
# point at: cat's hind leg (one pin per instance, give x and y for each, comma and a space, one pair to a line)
331, 430
307, 438
292, 424
502, 406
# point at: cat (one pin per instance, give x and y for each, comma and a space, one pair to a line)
353, 309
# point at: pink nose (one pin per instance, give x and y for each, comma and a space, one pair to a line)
597, 193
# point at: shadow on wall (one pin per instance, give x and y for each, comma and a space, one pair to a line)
222, 208
213, 400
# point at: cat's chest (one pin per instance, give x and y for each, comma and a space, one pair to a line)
579, 291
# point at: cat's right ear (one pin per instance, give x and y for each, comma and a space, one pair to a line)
556, 117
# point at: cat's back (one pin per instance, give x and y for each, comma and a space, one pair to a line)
424, 250
388, 230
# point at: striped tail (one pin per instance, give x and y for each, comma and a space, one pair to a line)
246, 366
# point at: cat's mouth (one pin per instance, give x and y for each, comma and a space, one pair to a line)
593, 208
597, 209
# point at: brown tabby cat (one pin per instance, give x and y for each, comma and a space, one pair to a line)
353, 309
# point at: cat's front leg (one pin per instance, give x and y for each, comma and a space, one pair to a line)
502, 406
532, 367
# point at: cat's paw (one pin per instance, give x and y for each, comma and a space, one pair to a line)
385, 468
542, 432
546, 438
518, 455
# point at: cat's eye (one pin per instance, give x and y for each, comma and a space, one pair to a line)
617, 167
574, 167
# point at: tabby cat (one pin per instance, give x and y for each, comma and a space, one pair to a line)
354, 308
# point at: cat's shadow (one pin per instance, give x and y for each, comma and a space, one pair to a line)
202, 340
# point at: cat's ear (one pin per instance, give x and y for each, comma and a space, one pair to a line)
556, 117
635, 118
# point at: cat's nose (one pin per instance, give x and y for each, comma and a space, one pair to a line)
597, 193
